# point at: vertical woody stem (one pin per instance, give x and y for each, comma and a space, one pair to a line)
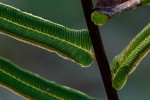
99, 51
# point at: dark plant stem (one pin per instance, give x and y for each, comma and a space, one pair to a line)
108, 3
99, 51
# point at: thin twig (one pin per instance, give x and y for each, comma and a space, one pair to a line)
99, 51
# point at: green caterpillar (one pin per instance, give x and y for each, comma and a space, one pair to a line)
126, 62
68, 43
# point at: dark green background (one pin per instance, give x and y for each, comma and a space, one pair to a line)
116, 35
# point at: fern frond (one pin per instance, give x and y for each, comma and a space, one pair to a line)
34, 87
126, 62
72, 44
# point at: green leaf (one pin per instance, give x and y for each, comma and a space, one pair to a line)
145, 2
71, 44
98, 18
32, 86
126, 62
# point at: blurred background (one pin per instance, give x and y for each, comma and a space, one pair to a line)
116, 35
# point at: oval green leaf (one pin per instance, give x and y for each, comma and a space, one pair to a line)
98, 18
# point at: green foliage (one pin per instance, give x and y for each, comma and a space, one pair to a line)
68, 43
126, 62
71, 44
145, 2
33, 86
128, 59
98, 18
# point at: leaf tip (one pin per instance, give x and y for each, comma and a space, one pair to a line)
98, 18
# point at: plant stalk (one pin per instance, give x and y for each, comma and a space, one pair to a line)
99, 51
